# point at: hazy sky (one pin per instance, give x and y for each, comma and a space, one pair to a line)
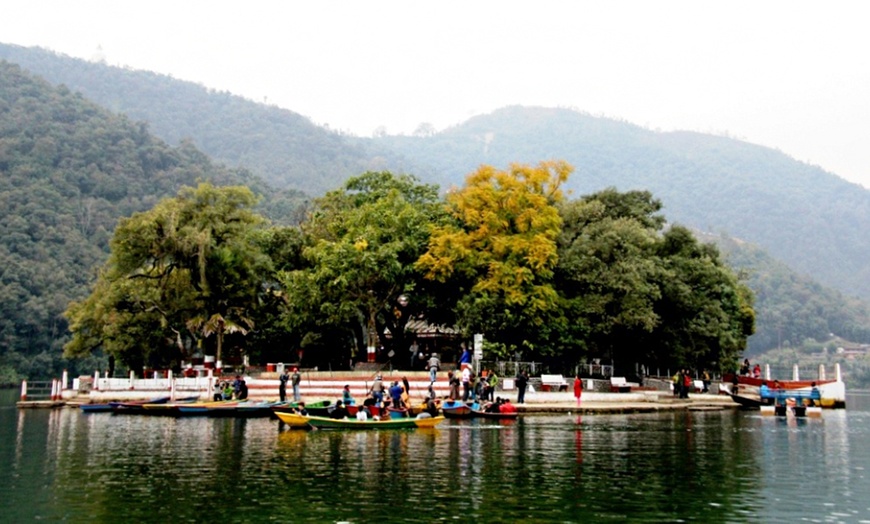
794, 75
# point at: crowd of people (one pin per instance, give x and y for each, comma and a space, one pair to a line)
748, 370
684, 382
235, 390
476, 387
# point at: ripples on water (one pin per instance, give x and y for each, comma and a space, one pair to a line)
690, 466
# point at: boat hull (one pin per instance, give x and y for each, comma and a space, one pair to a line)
329, 423
456, 409
495, 416
747, 402
294, 420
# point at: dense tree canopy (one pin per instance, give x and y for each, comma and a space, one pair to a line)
361, 245
185, 270
505, 256
641, 295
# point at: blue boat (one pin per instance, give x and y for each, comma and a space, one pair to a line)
457, 409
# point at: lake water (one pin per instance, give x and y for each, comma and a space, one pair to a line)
723, 466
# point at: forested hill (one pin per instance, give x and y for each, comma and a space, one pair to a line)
69, 170
284, 148
808, 218
792, 310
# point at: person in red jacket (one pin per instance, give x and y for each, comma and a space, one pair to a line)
578, 389
507, 407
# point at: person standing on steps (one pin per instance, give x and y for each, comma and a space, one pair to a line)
434, 364
282, 386
522, 382
295, 380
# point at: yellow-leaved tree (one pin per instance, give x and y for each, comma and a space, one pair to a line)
501, 250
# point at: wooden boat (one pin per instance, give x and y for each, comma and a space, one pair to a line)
167, 408
397, 413
96, 408
113, 406
318, 408
832, 391
294, 420
482, 413
137, 406
748, 402
456, 409
347, 423
213, 408
421, 407
255, 409
353, 408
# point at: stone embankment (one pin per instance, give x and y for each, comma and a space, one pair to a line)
328, 385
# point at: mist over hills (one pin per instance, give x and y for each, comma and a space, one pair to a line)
805, 217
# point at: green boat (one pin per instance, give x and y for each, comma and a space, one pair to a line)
318, 408
350, 423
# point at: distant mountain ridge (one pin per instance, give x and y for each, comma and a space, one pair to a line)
808, 218
284, 148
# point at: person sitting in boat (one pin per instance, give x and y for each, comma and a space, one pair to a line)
301, 409
228, 391
345, 396
237, 386
756, 371
507, 407
219, 392
453, 382
339, 411
494, 407
764, 391
243, 390
776, 385
406, 397
362, 413
431, 407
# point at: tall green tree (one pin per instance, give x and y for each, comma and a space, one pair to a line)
361, 245
187, 269
608, 272
706, 312
640, 294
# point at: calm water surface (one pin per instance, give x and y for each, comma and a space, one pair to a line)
728, 466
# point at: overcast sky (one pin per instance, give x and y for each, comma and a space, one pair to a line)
793, 75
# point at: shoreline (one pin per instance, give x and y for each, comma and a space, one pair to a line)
542, 403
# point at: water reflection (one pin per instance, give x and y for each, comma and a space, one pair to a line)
719, 466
